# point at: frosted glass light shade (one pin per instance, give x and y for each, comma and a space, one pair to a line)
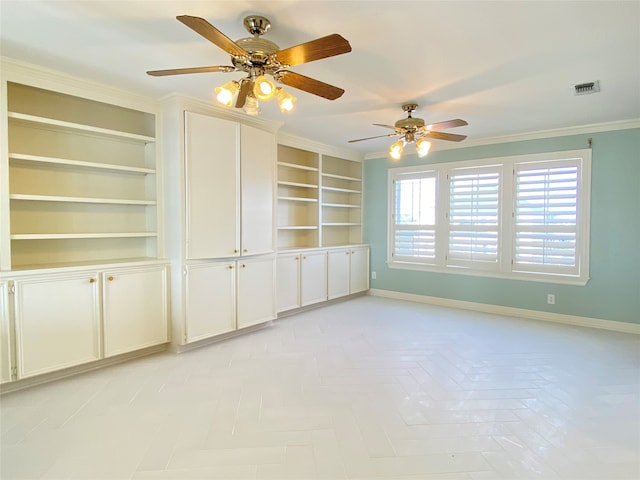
263, 88
423, 146
396, 149
285, 100
251, 106
226, 92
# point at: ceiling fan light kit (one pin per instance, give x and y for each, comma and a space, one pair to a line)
414, 130
259, 57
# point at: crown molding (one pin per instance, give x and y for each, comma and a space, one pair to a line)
49, 79
295, 141
537, 135
197, 105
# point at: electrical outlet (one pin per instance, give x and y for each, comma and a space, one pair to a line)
551, 299
373, 275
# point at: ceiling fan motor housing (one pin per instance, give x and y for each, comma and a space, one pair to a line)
410, 123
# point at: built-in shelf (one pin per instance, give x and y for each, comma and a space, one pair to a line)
53, 198
297, 184
78, 163
337, 204
341, 177
340, 224
78, 127
68, 236
340, 205
337, 189
298, 227
297, 166
82, 179
298, 199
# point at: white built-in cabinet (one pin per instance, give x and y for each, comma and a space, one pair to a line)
347, 271
134, 308
311, 276
82, 275
301, 279
221, 178
288, 281
5, 335
359, 269
256, 290
57, 322
210, 303
212, 168
224, 296
229, 185
68, 319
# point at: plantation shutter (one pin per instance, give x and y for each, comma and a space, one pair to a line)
414, 217
546, 217
474, 216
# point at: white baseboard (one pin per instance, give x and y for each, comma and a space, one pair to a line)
512, 312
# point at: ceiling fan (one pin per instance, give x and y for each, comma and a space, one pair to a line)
258, 56
414, 130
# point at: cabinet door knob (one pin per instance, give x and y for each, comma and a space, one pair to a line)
92, 280
245, 250
296, 258
243, 265
110, 278
235, 250
304, 258
230, 267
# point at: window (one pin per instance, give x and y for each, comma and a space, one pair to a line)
474, 212
546, 217
515, 217
414, 217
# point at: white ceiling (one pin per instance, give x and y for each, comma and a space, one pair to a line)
507, 67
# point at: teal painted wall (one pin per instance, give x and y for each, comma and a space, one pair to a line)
612, 293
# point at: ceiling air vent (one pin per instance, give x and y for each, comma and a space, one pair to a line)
586, 88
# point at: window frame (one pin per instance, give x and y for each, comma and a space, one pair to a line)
506, 265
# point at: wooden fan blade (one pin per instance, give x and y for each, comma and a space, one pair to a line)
211, 33
245, 88
386, 126
181, 71
310, 85
324, 47
377, 136
446, 124
452, 137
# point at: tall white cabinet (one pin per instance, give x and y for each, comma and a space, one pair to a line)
80, 205
220, 189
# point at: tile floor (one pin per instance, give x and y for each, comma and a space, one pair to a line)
371, 388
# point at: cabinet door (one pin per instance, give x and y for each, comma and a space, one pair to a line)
313, 278
134, 309
359, 269
211, 300
288, 282
256, 295
5, 342
338, 273
57, 322
258, 170
211, 177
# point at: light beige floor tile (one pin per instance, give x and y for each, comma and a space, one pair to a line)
366, 389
